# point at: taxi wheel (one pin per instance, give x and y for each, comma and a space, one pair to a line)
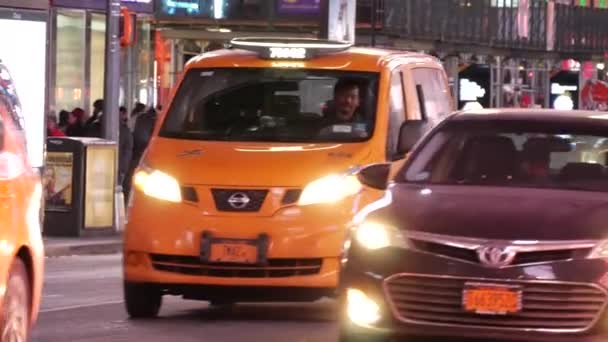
142, 301
15, 323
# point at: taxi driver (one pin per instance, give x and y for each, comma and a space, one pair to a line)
346, 101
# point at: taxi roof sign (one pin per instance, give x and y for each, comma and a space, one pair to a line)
289, 48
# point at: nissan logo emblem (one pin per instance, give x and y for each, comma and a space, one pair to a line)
239, 200
496, 256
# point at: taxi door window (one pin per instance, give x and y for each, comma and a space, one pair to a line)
432, 91
396, 113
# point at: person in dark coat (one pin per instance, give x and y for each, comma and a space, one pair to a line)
75, 127
93, 124
144, 126
125, 145
139, 109
64, 119
142, 132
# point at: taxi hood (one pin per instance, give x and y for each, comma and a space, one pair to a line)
252, 164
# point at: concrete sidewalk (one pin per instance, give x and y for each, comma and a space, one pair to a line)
56, 246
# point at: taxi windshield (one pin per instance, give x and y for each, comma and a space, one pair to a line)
273, 105
514, 154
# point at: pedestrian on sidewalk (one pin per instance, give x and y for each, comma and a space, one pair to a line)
75, 126
141, 137
52, 128
125, 147
93, 124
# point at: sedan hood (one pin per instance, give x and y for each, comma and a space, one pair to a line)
499, 213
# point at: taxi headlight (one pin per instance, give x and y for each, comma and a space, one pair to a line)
158, 185
329, 189
600, 251
375, 235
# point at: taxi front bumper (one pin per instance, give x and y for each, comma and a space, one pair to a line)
164, 244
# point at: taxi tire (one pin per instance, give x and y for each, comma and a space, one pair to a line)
16, 307
141, 300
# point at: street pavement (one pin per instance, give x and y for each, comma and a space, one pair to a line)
83, 302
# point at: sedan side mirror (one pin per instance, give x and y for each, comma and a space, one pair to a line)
409, 135
375, 176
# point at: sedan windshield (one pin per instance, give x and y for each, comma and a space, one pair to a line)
513, 154
273, 105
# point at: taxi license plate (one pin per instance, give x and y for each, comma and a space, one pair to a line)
492, 299
234, 253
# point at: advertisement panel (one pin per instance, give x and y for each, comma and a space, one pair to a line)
27, 4
188, 8
299, 7
57, 181
142, 6
342, 20
99, 188
26, 64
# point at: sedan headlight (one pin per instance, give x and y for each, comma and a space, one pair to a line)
361, 309
158, 184
330, 189
600, 251
375, 235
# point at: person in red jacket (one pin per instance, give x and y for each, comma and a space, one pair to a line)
52, 128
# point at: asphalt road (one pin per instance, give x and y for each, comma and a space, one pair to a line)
83, 302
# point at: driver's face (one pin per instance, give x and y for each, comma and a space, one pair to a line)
347, 102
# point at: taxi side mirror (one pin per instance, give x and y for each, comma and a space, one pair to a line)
409, 135
375, 176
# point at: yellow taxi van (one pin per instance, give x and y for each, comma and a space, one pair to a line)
246, 188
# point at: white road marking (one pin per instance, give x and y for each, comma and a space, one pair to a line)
82, 306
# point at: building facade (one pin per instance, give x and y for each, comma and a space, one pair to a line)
23, 50
77, 53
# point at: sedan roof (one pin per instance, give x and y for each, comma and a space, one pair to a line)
574, 117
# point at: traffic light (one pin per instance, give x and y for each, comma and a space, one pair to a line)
127, 29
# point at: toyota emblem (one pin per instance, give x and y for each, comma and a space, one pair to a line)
496, 256
239, 200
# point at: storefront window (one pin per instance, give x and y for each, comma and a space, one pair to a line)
70, 60
98, 40
144, 80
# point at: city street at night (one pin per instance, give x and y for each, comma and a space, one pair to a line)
83, 302
304, 170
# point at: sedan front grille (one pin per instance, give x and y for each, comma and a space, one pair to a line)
275, 268
552, 307
522, 258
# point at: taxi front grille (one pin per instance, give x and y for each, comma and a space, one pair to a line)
249, 200
557, 307
274, 268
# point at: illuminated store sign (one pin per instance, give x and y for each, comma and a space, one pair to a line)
135, 5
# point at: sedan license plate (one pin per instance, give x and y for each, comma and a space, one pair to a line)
234, 253
492, 299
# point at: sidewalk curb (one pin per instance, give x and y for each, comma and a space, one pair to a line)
83, 249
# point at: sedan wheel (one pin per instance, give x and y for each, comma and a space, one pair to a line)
15, 320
